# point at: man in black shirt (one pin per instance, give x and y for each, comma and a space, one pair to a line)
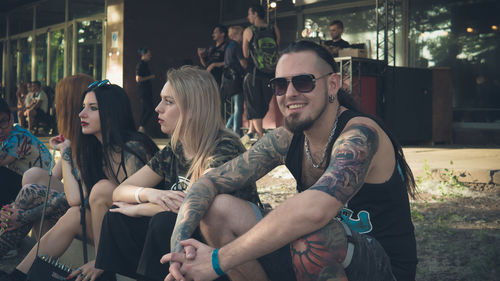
213, 59
333, 46
350, 219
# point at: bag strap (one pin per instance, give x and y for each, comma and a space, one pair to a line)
82, 222
51, 165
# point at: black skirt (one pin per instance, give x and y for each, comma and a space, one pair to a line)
133, 246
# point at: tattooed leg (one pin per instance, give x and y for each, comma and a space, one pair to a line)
31, 198
10, 239
319, 255
30, 204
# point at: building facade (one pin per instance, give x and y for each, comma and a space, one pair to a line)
47, 40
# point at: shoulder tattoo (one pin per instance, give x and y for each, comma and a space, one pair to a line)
351, 157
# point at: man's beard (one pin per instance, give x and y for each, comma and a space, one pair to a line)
297, 127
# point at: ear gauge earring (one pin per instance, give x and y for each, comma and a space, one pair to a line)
331, 99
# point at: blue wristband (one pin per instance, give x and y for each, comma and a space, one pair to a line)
215, 263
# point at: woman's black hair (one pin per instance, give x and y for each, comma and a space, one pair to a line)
345, 99
117, 128
142, 51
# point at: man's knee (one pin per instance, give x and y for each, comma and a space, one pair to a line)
220, 208
326, 247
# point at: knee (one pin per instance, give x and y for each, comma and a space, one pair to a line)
219, 209
101, 194
71, 217
35, 175
219, 219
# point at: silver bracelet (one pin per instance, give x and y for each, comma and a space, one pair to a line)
137, 199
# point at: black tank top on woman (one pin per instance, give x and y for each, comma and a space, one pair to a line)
381, 210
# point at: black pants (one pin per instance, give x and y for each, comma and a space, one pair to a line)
133, 246
10, 185
146, 96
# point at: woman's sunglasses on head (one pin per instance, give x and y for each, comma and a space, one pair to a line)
303, 83
98, 83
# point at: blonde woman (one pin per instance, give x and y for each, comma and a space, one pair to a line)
146, 204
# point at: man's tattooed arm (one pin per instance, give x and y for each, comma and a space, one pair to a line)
351, 157
266, 154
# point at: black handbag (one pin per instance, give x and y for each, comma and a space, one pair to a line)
231, 83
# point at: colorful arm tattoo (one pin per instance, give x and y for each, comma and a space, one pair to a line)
352, 154
268, 153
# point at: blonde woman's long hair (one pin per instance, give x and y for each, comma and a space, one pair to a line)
200, 122
68, 99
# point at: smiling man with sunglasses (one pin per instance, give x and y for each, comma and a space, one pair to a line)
19, 151
350, 219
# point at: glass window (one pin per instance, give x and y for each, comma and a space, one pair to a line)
41, 58
21, 20
359, 27
12, 67
69, 40
56, 50
85, 8
50, 12
463, 35
25, 59
89, 48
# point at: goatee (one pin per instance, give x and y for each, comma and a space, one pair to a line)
298, 127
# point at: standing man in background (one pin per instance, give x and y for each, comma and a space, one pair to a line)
234, 71
260, 42
144, 78
213, 59
333, 46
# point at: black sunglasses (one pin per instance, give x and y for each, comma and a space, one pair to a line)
303, 83
97, 84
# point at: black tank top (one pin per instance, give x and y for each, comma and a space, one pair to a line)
385, 206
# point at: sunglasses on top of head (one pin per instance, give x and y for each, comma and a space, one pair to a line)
303, 83
98, 83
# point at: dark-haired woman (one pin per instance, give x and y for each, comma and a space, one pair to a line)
144, 80
108, 151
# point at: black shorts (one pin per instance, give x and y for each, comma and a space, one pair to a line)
257, 95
